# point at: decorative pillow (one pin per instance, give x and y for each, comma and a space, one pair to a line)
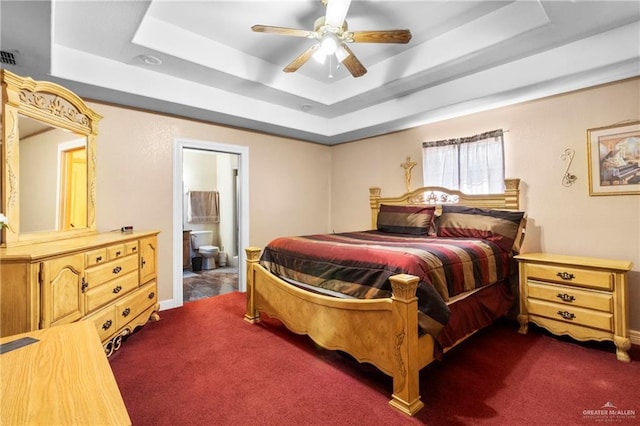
499, 226
406, 219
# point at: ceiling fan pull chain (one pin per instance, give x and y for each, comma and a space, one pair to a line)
330, 66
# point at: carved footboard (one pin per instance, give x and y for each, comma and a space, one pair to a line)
382, 332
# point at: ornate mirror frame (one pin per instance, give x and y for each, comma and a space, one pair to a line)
56, 106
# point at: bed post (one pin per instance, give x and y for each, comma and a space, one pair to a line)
406, 386
512, 193
251, 315
374, 201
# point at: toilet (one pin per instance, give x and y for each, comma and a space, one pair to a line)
201, 243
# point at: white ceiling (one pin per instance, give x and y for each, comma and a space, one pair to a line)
465, 56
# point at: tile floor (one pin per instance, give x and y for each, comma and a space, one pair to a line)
202, 284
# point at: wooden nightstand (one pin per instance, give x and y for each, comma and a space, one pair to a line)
585, 298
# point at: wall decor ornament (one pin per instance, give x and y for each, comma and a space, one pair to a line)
568, 179
613, 153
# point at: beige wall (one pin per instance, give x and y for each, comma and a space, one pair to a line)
561, 219
289, 189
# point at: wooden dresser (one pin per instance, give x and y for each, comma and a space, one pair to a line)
107, 278
55, 268
585, 298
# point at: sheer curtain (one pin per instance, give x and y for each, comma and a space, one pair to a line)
474, 165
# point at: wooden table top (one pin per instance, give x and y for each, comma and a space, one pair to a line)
63, 378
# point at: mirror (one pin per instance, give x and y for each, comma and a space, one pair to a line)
48, 162
53, 165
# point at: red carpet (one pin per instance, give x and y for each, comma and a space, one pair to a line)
203, 365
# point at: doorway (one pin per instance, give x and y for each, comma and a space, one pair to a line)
227, 166
72, 185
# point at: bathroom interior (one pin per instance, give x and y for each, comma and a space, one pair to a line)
210, 225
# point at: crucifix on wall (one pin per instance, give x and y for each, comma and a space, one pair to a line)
408, 166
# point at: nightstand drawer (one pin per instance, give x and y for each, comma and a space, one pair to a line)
571, 314
589, 278
571, 296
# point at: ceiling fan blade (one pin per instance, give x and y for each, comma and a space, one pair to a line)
282, 31
301, 59
388, 36
336, 12
352, 63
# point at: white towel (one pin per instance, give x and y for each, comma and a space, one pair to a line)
203, 207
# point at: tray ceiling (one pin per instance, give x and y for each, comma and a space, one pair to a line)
200, 59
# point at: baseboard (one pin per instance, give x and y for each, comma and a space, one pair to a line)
168, 304
634, 335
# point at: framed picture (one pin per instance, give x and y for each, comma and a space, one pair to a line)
614, 159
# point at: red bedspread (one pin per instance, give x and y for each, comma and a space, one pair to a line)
359, 264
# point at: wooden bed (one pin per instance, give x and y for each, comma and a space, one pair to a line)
383, 332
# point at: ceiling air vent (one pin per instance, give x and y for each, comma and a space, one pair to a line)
8, 57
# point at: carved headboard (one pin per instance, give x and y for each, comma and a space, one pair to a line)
434, 195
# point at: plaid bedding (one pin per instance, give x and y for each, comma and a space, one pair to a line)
359, 264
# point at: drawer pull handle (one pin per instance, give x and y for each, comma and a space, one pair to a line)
151, 295
107, 325
566, 276
118, 253
98, 259
566, 315
117, 269
134, 249
566, 297
126, 312
84, 286
142, 262
116, 290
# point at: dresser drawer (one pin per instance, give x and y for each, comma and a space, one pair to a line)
574, 276
115, 252
570, 296
131, 247
99, 275
103, 294
105, 322
95, 257
571, 314
134, 304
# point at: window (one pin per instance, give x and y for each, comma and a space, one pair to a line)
473, 165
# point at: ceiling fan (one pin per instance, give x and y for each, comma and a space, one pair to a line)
332, 33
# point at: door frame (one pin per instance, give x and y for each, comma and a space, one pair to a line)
178, 196
61, 185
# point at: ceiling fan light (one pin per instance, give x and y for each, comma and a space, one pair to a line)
328, 44
341, 53
319, 56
